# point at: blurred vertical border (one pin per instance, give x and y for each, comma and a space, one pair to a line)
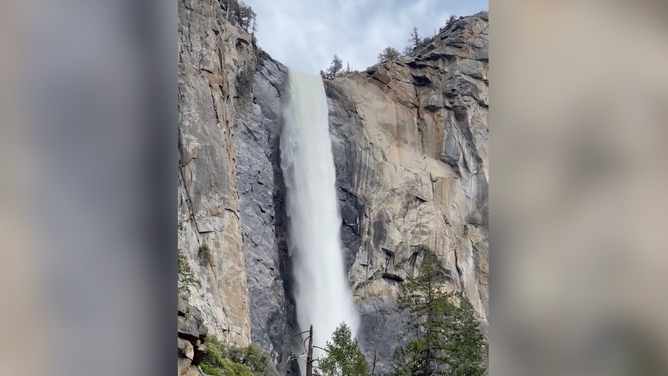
578, 198
88, 135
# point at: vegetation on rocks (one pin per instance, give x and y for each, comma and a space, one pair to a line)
388, 54
240, 13
334, 70
225, 360
245, 80
186, 277
415, 42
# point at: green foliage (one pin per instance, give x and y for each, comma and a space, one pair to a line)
240, 13
334, 70
409, 360
245, 80
222, 360
388, 54
226, 368
463, 348
447, 337
343, 356
186, 277
428, 307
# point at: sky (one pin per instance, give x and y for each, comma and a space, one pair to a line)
305, 34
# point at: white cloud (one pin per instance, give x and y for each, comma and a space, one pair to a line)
305, 34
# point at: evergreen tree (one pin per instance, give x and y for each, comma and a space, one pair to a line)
388, 54
451, 21
464, 342
334, 70
447, 341
428, 307
344, 357
245, 16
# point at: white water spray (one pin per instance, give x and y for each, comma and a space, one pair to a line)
322, 293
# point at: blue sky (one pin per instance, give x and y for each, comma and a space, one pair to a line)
305, 34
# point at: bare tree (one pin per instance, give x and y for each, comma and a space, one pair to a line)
415, 38
378, 330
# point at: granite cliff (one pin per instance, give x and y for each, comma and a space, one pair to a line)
410, 146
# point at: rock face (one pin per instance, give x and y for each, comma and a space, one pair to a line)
212, 54
191, 337
263, 218
411, 153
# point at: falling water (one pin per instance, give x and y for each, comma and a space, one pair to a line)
322, 293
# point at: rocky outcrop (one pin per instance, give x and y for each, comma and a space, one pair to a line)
411, 151
191, 337
213, 53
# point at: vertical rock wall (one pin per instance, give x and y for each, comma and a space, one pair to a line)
212, 53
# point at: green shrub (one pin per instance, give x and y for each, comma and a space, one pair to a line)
245, 81
222, 360
226, 368
388, 54
186, 277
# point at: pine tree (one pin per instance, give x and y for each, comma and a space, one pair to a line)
334, 70
447, 337
451, 21
464, 342
344, 357
428, 307
388, 54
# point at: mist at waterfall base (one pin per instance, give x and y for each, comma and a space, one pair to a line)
322, 293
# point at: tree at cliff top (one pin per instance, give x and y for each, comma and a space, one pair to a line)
241, 13
388, 54
447, 340
334, 70
344, 357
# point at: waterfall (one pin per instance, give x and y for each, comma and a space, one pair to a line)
322, 292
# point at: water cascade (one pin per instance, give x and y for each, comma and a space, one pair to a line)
322, 293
